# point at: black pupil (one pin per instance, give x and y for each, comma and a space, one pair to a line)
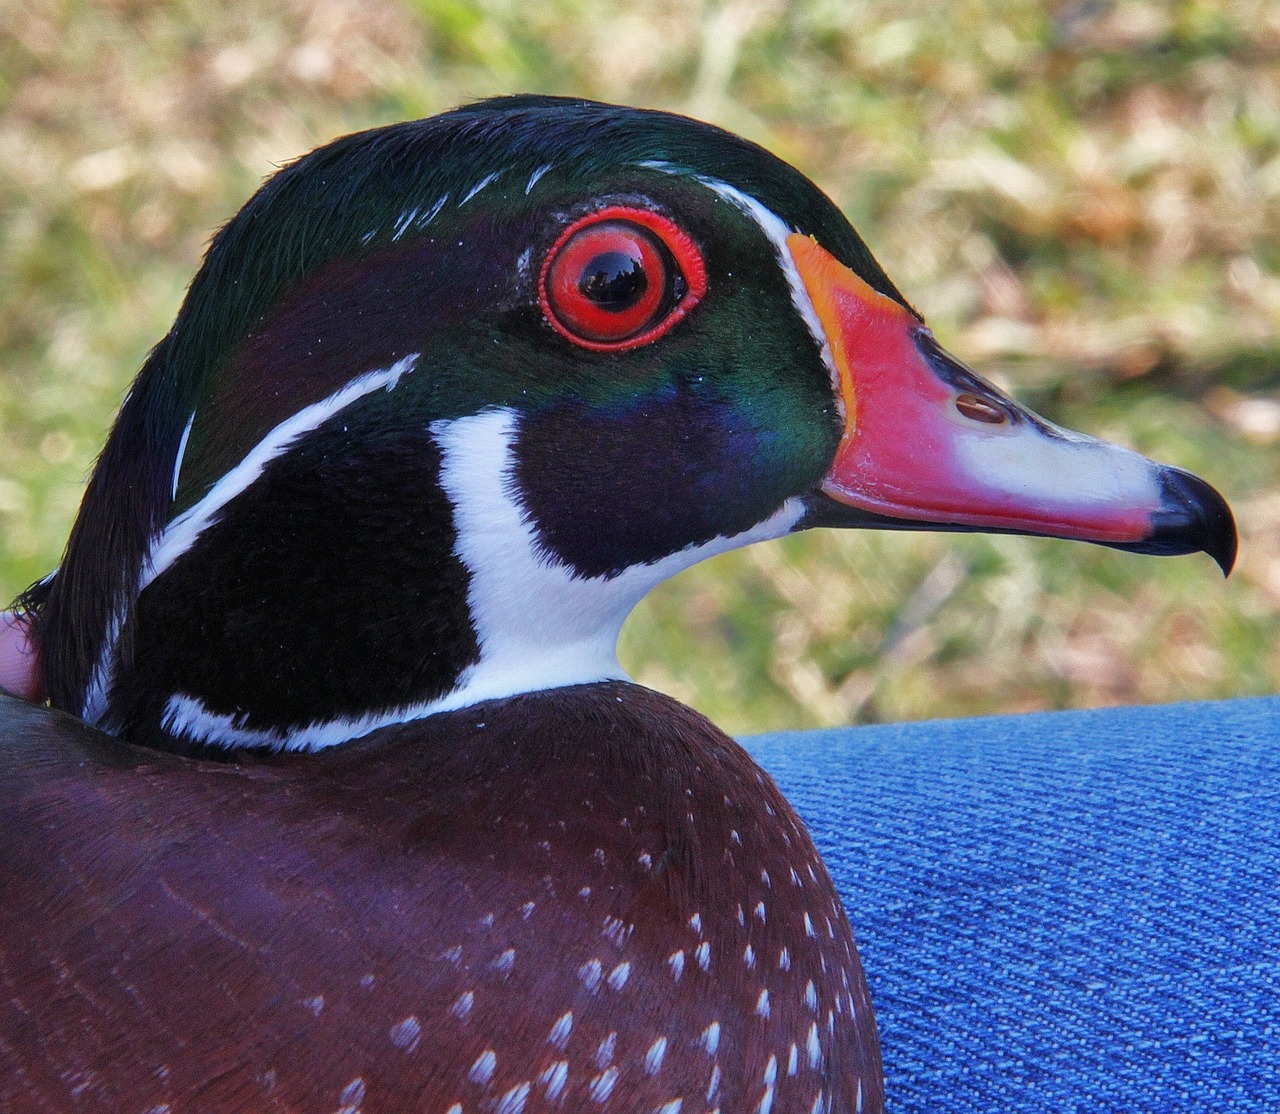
614, 280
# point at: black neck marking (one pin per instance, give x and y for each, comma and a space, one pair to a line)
247, 628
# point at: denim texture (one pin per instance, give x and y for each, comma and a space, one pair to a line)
1060, 912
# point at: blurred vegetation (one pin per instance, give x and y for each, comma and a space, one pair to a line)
1084, 198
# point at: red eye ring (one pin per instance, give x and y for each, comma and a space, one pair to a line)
645, 275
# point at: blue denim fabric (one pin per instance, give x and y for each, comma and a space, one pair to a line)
1062, 912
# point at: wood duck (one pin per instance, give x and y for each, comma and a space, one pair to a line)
343, 802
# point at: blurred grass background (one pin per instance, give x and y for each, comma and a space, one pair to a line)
1083, 197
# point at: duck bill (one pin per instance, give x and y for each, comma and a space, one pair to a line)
929, 444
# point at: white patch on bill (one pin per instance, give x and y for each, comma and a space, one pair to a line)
1057, 472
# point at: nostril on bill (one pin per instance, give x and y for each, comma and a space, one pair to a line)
980, 409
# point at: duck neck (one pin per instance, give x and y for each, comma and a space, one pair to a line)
406, 578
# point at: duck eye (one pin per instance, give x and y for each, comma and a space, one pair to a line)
619, 278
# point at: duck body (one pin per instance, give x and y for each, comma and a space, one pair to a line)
560, 899
358, 810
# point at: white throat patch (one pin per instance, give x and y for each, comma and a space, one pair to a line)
540, 625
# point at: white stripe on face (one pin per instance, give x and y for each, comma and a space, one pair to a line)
776, 231
95, 697
478, 187
182, 451
183, 532
533, 178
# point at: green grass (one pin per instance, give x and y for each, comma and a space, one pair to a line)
1086, 206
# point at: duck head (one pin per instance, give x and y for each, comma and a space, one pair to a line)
447, 398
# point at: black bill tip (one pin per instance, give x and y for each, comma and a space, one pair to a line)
1194, 519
